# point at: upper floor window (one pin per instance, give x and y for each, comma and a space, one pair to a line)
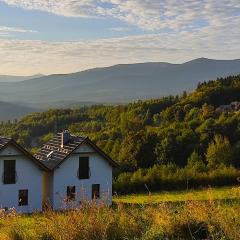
83, 171
23, 197
71, 192
9, 174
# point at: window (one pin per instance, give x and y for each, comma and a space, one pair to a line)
9, 174
23, 197
71, 192
83, 171
95, 191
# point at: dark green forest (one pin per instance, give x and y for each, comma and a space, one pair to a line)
174, 142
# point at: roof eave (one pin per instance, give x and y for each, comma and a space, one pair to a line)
97, 149
102, 153
26, 153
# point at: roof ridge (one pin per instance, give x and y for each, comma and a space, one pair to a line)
8, 138
73, 135
85, 137
59, 154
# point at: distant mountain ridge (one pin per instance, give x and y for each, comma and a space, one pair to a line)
12, 111
115, 84
8, 78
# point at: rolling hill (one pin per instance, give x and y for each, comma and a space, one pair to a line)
7, 78
11, 111
115, 84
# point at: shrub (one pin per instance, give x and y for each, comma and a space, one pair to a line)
171, 177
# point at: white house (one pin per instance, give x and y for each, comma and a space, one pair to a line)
21, 178
78, 171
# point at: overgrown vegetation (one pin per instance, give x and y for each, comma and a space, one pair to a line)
189, 220
166, 143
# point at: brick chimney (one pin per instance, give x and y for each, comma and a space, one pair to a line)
65, 137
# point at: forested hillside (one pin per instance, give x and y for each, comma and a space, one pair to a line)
175, 141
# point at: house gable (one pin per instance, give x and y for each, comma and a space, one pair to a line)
21, 173
88, 147
84, 148
68, 175
10, 150
13, 149
62, 146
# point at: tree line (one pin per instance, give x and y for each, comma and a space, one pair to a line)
165, 143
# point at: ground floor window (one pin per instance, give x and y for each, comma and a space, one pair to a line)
71, 192
95, 191
23, 197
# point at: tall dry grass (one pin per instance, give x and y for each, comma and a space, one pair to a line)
191, 220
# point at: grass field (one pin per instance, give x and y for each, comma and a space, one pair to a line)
161, 220
221, 193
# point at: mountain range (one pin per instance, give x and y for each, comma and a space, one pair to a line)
115, 84
12, 111
8, 78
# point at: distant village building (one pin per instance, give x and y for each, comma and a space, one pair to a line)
65, 172
235, 106
232, 107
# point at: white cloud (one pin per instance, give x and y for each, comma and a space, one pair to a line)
120, 29
186, 30
8, 31
68, 8
13, 29
29, 57
146, 14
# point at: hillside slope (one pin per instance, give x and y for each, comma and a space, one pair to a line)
120, 83
12, 111
161, 140
8, 78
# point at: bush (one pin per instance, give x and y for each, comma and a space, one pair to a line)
171, 177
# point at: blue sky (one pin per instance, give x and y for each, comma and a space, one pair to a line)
49, 36
52, 27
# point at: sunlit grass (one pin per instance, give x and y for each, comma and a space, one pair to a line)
189, 220
221, 193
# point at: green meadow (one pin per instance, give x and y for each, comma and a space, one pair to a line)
221, 193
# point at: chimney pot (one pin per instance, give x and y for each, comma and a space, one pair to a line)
65, 137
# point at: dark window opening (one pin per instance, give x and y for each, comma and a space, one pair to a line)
71, 192
95, 191
9, 174
83, 171
23, 197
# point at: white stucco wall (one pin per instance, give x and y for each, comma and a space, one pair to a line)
29, 176
66, 175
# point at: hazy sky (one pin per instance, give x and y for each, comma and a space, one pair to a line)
58, 36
